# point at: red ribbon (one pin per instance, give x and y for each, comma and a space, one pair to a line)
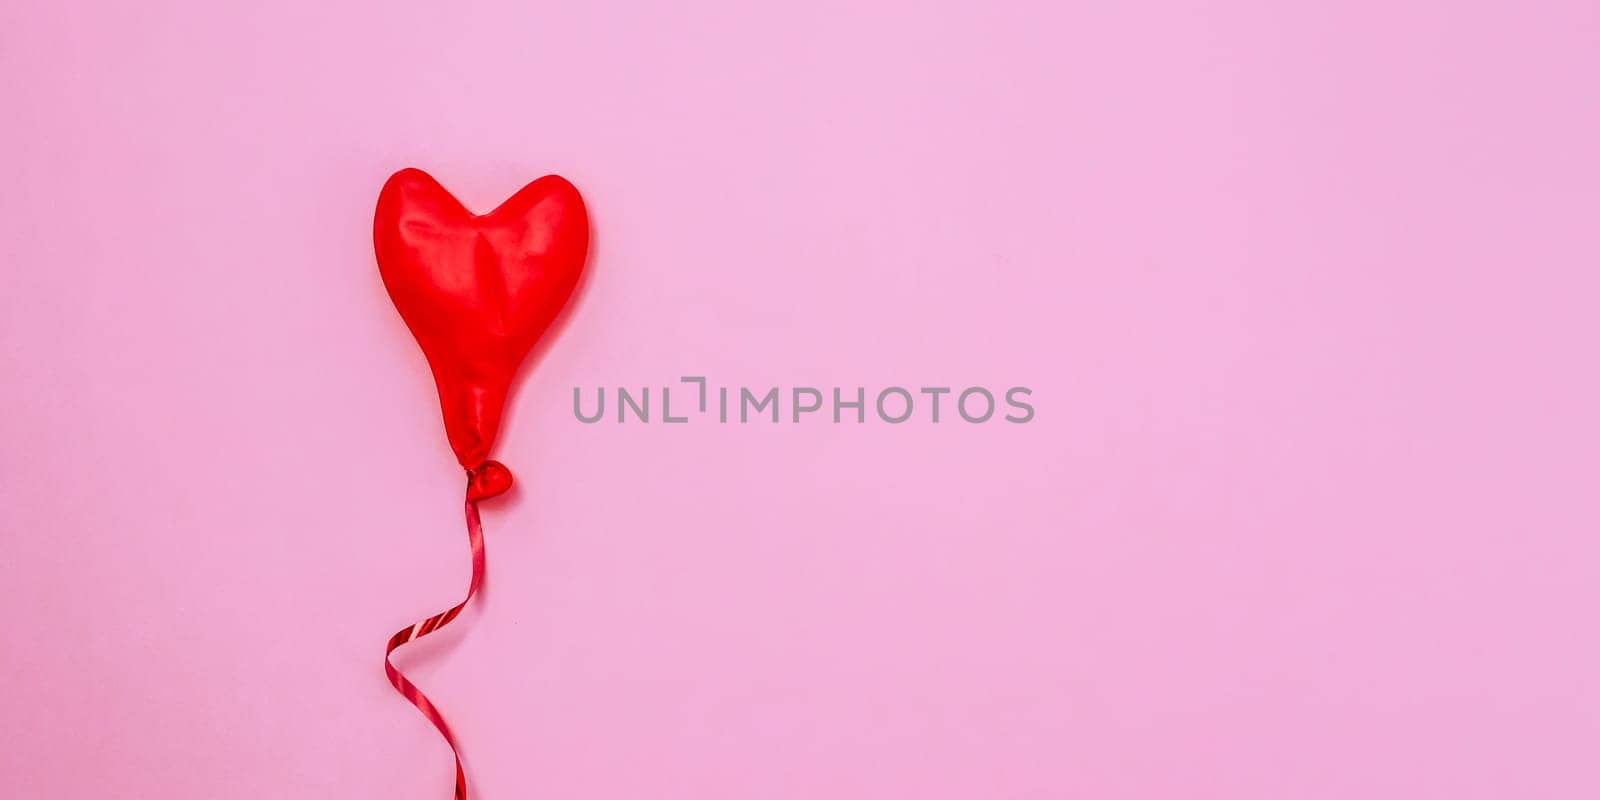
424, 627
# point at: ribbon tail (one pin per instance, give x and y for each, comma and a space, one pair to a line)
422, 628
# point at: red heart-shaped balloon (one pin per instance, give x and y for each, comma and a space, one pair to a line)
478, 291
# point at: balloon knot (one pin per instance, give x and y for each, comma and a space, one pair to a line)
489, 479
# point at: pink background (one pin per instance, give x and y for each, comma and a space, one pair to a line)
1306, 297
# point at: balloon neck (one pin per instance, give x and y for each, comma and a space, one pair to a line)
489, 479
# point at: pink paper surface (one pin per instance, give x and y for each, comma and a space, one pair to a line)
1306, 295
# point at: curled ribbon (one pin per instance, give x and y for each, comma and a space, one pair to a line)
422, 628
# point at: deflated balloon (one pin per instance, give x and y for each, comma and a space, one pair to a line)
477, 292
